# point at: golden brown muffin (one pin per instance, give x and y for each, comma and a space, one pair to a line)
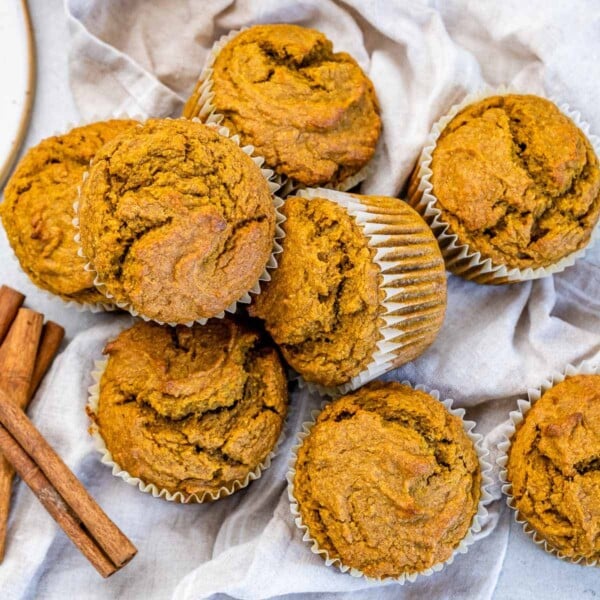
387, 481
310, 112
517, 181
323, 305
177, 220
554, 467
37, 211
191, 410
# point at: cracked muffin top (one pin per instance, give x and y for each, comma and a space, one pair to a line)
554, 467
191, 410
310, 112
322, 304
177, 220
387, 480
37, 211
517, 181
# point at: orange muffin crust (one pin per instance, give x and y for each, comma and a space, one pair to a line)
322, 304
177, 220
517, 181
191, 410
554, 467
37, 211
387, 480
310, 112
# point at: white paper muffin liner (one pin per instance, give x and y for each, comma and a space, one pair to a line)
509, 428
459, 257
264, 276
385, 245
207, 113
150, 488
478, 519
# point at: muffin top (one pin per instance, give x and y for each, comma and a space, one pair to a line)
177, 220
37, 211
387, 480
554, 467
322, 304
191, 410
517, 181
310, 112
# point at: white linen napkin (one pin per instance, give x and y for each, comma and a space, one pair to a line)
143, 58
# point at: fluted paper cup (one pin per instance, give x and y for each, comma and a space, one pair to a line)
245, 298
413, 308
460, 258
200, 105
509, 429
476, 525
150, 488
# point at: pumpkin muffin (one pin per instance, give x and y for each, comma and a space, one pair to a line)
191, 410
37, 211
339, 290
517, 181
310, 112
554, 467
177, 221
387, 481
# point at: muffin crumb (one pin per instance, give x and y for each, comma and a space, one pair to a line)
310, 112
387, 480
191, 410
554, 467
517, 181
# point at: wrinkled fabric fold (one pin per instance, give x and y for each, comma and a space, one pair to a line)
143, 58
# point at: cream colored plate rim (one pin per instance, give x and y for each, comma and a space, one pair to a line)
17, 71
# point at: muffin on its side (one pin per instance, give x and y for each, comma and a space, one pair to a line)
516, 180
310, 112
339, 290
37, 211
176, 220
191, 410
387, 481
554, 467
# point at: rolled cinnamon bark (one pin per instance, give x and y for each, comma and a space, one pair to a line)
10, 301
17, 362
18, 353
25, 355
52, 336
54, 504
106, 534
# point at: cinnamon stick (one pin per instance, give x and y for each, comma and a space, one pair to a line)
17, 360
96, 536
107, 535
10, 301
18, 353
52, 336
54, 504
